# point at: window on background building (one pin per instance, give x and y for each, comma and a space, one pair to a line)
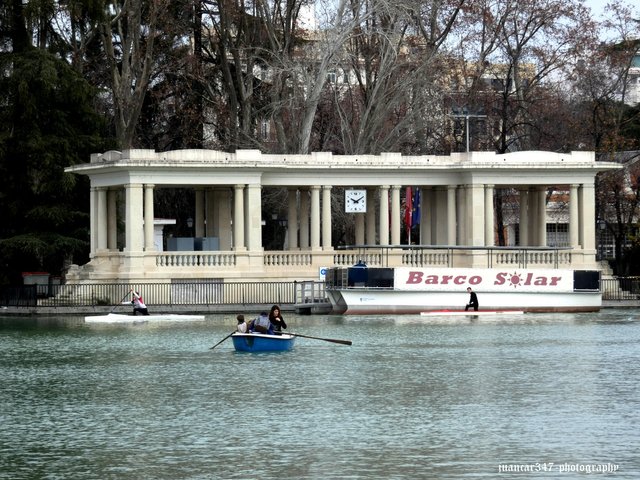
557, 234
606, 243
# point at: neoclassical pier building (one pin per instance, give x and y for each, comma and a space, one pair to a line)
457, 224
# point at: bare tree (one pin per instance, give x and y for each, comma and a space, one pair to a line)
300, 73
236, 38
601, 80
128, 34
618, 203
538, 39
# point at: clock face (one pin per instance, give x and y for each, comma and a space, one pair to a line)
355, 201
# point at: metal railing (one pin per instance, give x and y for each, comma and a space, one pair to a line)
620, 288
449, 255
157, 294
215, 293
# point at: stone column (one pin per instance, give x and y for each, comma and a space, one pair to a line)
451, 215
524, 217
223, 209
292, 218
532, 238
359, 228
253, 217
384, 215
93, 219
574, 220
434, 215
371, 217
542, 216
149, 244
475, 214
112, 222
439, 224
326, 218
134, 230
489, 220
395, 215
238, 218
212, 217
198, 221
460, 214
304, 219
102, 219
315, 217
426, 204
588, 217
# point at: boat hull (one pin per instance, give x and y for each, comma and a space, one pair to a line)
258, 342
469, 313
120, 318
367, 301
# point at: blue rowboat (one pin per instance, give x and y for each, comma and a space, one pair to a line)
259, 342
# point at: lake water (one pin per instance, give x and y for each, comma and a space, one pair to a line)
554, 395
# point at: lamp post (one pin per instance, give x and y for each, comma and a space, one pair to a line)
466, 117
601, 248
190, 225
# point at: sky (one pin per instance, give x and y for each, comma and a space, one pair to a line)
597, 6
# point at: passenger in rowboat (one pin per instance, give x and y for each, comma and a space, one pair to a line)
242, 324
275, 317
261, 324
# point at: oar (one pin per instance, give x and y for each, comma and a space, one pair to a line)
343, 342
120, 302
222, 340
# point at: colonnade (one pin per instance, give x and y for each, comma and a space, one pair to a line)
460, 215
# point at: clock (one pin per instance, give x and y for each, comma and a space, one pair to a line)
355, 201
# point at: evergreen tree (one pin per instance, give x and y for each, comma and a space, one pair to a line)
46, 124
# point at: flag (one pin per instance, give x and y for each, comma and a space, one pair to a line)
415, 210
408, 216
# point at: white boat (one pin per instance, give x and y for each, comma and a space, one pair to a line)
407, 290
121, 318
470, 313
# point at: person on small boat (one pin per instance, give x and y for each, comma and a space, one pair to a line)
473, 300
261, 324
242, 324
138, 303
275, 317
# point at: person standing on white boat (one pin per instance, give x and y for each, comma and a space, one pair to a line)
473, 300
275, 317
242, 325
138, 303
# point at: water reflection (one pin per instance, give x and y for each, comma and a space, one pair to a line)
443, 398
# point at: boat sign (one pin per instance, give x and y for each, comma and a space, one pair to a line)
486, 280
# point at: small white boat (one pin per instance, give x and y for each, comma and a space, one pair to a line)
120, 318
473, 313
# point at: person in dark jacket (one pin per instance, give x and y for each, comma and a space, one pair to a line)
275, 317
261, 324
473, 300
